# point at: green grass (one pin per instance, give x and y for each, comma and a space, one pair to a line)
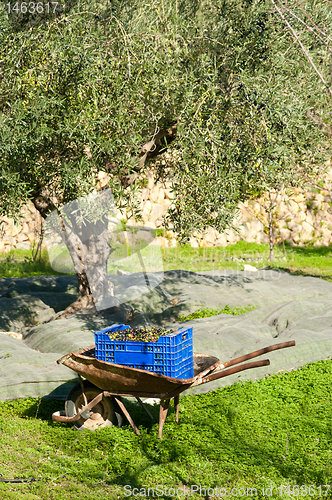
19, 264
206, 312
273, 432
311, 261
307, 261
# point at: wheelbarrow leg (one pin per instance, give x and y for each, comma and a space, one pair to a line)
162, 415
144, 407
82, 389
176, 407
118, 399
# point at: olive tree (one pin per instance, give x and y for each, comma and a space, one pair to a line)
219, 86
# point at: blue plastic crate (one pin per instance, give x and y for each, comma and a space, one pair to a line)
171, 355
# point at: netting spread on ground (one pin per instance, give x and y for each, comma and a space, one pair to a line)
288, 307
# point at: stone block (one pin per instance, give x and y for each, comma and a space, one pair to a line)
166, 204
170, 194
150, 224
248, 267
154, 193
172, 243
147, 208
245, 230
162, 242
262, 237
101, 175
251, 237
294, 226
22, 237
7, 239
103, 182
319, 197
293, 207
144, 194
315, 204
31, 237
150, 178
25, 227
156, 212
161, 197
326, 235
144, 235
302, 207
299, 198
284, 234
210, 235
323, 217
256, 207
193, 243
6, 219
309, 218
32, 209
295, 237
283, 209
24, 245
307, 228
257, 225
10, 223
221, 241
232, 237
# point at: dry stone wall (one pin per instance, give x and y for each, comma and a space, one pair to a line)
23, 235
304, 217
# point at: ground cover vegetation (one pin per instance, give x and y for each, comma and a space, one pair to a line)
221, 86
268, 433
309, 260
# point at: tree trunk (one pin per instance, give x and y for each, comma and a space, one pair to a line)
89, 248
271, 256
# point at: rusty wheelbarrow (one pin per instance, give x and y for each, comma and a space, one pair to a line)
97, 401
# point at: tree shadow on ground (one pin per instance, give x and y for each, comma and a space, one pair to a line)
294, 271
22, 313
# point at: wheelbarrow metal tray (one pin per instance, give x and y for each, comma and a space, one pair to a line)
124, 380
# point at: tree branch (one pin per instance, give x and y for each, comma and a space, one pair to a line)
150, 149
317, 27
302, 46
308, 27
319, 121
323, 188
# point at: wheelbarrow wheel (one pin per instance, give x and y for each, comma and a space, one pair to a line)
105, 414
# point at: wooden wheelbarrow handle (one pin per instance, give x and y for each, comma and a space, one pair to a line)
230, 371
224, 369
254, 354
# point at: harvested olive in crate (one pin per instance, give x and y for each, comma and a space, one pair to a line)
139, 334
